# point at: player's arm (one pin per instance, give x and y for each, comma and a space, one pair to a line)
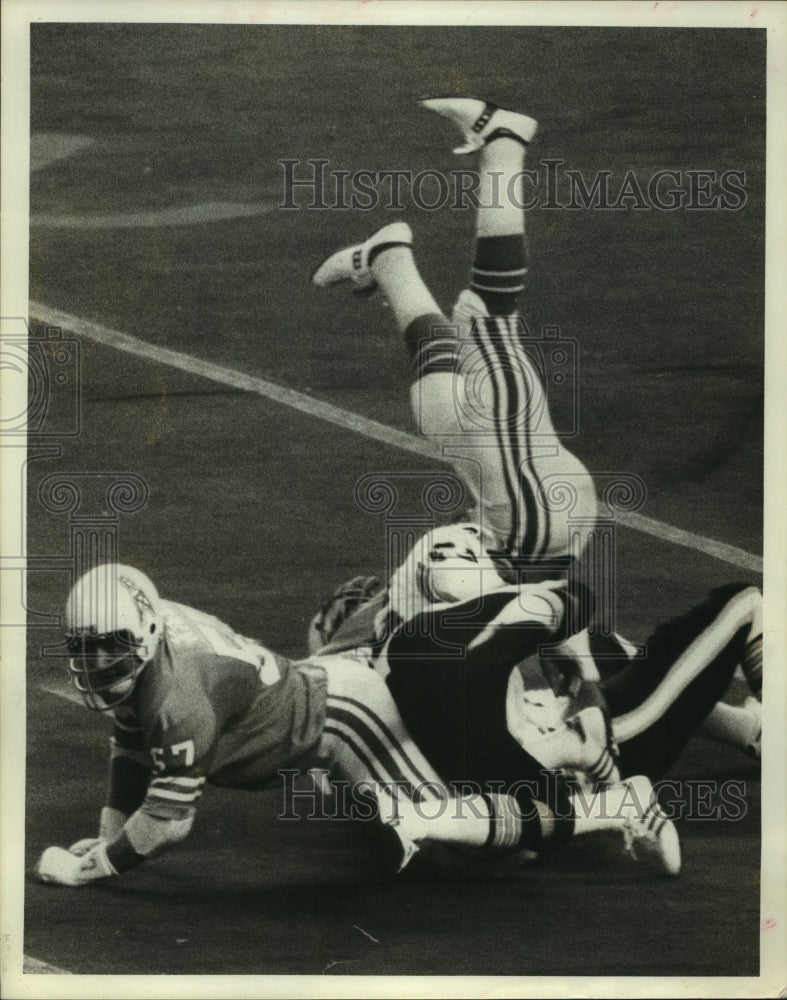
163, 818
127, 785
130, 769
501, 627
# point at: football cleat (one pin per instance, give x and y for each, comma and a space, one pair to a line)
650, 836
353, 263
599, 749
480, 122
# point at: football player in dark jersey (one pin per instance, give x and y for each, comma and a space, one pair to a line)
460, 655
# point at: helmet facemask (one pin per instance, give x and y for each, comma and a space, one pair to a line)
105, 668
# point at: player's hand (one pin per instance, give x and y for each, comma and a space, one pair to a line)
64, 868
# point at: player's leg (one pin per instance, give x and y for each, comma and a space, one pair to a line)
364, 735
738, 726
386, 261
658, 703
500, 254
519, 821
368, 744
486, 403
508, 448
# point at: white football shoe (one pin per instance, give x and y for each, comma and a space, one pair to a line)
352, 263
480, 121
650, 836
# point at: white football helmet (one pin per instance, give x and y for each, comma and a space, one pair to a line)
113, 628
445, 566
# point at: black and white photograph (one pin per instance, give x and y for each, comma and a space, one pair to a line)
393, 499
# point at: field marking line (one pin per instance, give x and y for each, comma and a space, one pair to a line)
352, 421
180, 215
228, 376
688, 539
49, 147
65, 691
34, 967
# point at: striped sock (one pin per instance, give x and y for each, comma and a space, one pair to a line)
752, 666
375, 252
499, 271
505, 822
604, 770
433, 344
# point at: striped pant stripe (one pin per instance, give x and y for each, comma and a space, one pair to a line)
530, 479
375, 745
347, 734
390, 739
497, 338
480, 334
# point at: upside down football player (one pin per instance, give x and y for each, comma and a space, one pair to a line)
193, 702
479, 379
479, 389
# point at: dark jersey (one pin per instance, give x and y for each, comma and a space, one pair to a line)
448, 670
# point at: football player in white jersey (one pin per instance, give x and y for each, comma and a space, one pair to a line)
482, 383
479, 376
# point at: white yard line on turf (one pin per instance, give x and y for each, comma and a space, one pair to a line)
181, 215
63, 691
49, 147
351, 421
